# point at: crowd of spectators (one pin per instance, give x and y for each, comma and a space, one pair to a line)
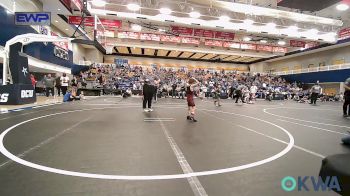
128, 79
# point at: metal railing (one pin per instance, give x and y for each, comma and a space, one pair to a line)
314, 69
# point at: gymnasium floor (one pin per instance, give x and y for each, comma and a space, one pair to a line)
109, 146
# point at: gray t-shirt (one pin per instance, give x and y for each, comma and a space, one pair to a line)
49, 82
316, 89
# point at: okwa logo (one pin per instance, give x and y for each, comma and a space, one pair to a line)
318, 184
27, 93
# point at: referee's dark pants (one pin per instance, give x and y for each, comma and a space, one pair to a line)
239, 96
314, 97
48, 89
147, 100
346, 106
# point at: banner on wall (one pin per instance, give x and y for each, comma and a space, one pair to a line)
265, 48
90, 21
279, 49
33, 18
235, 45
248, 46
78, 4
63, 45
150, 37
216, 43
169, 38
297, 43
224, 35
181, 30
344, 34
204, 33
190, 40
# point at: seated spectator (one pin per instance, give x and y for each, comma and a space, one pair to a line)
69, 96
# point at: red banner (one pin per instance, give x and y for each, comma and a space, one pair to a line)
224, 35
182, 30
128, 35
204, 33
63, 45
169, 38
213, 43
232, 45
311, 44
75, 20
150, 37
190, 40
110, 23
78, 3
265, 48
296, 43
279, 49
90, 21
248, 46
344, 33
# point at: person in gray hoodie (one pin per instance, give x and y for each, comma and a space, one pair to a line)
49, 83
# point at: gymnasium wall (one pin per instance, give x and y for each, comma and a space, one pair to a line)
323, 76
329, 57
177, 63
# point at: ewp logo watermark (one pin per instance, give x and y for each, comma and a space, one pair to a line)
330, 183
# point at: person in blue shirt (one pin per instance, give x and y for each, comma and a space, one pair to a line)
69, 96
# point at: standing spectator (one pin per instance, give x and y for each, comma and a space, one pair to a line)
173, 93
156, 86
49, 83
58, 85
74, 84
33, 80
64, 83
253, 91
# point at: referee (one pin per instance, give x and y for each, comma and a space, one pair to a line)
315, 91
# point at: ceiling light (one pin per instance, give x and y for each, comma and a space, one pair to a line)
224, 18
293, 28
282, 43
66, 29
263, 41
313, 31
56, 20
133, 7
161, 30
195, 14
98, 3
332, 34
247, 39
59, 9
248, 21
271, 25
165, 11
136, 27
342, 7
